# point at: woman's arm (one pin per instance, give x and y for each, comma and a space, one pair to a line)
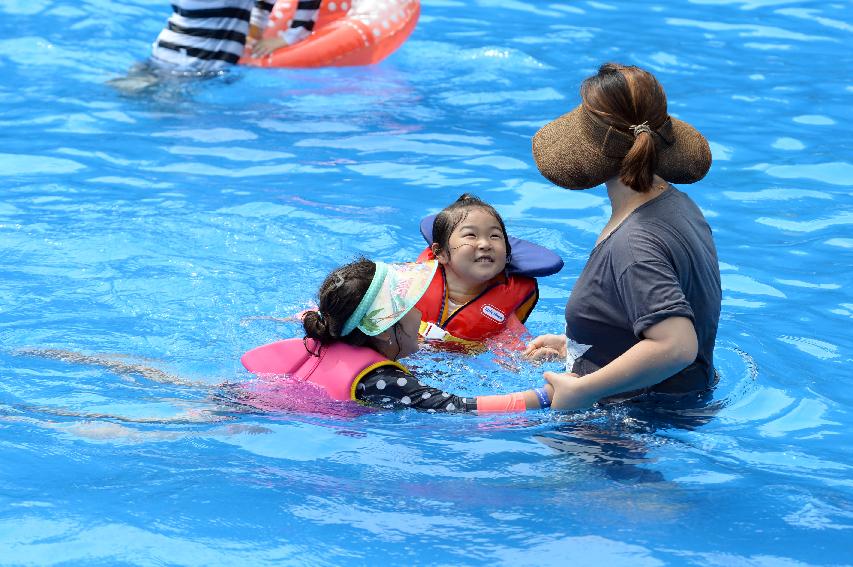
667, 347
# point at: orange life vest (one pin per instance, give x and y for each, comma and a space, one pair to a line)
483, 317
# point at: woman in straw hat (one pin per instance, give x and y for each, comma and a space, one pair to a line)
648, 300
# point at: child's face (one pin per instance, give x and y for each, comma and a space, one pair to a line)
476, 250
407, 333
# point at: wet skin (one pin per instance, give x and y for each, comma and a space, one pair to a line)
475, 254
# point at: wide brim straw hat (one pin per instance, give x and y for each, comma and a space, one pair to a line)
579, 150
393, 291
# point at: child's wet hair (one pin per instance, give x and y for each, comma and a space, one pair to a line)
452, 216
338, 297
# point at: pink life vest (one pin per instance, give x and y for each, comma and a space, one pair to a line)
337, 369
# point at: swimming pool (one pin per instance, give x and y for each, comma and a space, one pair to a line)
168, 226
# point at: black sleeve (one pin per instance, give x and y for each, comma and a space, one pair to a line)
391, 388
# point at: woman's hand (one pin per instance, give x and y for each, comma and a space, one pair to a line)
546, 347
569, 392
267, 46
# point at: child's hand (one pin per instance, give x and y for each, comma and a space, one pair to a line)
254, 35
546, 347
266, 46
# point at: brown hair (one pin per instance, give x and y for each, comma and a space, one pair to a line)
625, 96
452, 215
338, 297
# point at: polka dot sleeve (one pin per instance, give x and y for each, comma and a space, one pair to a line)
391, 388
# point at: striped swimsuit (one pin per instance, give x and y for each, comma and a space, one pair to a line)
205, 36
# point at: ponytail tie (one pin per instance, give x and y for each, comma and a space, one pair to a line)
308, 348
639, 128
339, 281
325, 322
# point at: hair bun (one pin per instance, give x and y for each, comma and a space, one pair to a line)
316, 326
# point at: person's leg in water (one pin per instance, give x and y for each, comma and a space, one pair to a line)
114, 363
223, 410
140, 77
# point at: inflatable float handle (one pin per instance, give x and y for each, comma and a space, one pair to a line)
357, 32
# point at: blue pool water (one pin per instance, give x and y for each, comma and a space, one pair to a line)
170, 226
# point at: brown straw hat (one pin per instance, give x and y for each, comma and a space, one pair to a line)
579, 150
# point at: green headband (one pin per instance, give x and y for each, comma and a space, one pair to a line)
367, 300
393, 291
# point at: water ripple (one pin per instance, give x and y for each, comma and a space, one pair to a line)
821, 350
749, 30
16, 164
841, 219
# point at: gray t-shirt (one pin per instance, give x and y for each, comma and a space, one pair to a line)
660, 262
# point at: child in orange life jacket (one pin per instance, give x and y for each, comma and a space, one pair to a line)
477, 294
365, 322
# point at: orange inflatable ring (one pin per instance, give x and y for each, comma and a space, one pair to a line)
346, 32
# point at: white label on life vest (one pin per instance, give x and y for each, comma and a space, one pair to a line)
493, 313
434, 332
